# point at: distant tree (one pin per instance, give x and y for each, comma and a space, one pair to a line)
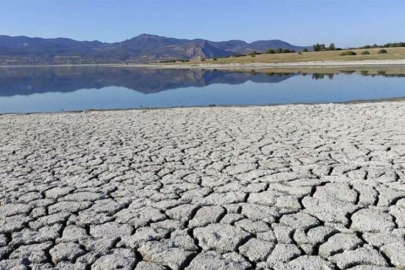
305, 50
279, 50
215, 59
270, 51
348, 53
388, 45
397, 44
288, 51
253, 54
238, 55
319, 47
332, 47
168, 61
365, 53
382, 51
202, 59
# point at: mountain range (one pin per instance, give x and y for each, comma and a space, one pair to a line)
143, 48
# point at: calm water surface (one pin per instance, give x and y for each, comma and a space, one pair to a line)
25, 90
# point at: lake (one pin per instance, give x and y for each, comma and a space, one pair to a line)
55, 89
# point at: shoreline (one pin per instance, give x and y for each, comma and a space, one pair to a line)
236, 106
310, 64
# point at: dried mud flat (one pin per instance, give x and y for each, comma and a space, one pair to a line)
286, 187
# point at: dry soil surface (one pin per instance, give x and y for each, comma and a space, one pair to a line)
285, 187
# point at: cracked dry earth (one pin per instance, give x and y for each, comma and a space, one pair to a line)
287, 187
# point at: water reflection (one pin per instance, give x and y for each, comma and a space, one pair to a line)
28, 81
319, 76
43, 89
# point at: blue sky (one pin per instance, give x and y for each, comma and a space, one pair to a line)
300, 22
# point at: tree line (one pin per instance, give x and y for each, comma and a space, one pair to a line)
322, 47
388, 45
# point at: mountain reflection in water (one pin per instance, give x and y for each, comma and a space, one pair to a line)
52, 89
27, 81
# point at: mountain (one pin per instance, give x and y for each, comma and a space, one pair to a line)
27, 45
143, 48
239, 46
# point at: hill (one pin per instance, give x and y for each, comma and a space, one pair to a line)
397, 55
143, 48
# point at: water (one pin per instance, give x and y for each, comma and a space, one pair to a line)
26, 90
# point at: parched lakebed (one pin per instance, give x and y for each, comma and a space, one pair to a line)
284, 187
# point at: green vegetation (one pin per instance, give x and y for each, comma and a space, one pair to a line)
279, 50
322, 47
168, 61
388, 45
305, 50
174, 61
215, 59
394, 45
347, 53
365, 53
288, 51
239, 55
370, 46
319, 47
253, 54
202, 59
382, 51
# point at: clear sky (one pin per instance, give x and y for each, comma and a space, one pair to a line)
300, 22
